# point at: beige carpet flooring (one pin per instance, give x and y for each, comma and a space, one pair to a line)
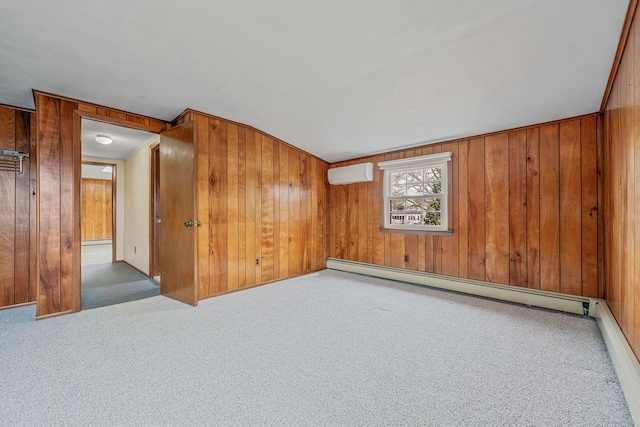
325, 349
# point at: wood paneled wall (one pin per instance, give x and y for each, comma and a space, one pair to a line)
258, 198
622, 195
525, 211
59, 160
17, 210
97, 209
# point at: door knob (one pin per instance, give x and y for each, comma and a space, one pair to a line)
188, 223
197, 223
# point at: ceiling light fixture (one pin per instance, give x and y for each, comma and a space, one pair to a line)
104, 139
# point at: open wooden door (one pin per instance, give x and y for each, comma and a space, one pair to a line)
177, 214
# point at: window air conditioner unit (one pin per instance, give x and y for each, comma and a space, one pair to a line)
362, 172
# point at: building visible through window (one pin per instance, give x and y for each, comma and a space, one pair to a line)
415, 192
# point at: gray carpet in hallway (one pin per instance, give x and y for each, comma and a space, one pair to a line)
114, 283
329, 348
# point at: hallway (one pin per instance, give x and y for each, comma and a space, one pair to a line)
114, 283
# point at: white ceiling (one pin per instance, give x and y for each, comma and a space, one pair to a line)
336, 78
126, 141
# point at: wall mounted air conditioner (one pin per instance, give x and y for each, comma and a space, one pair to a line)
362, 172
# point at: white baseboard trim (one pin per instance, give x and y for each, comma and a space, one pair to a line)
623, 359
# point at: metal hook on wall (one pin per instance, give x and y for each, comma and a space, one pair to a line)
13, 164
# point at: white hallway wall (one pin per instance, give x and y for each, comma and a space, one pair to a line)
136, 208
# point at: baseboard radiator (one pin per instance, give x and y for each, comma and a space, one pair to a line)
625, 363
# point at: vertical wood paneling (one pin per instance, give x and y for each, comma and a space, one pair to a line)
533, 208
323, 210
497, 207
613, 150
268, 191
505, 212
463, 210
634, 337
366, 250
628, 292
258, 205
378, 213
295, 227
276, 207
202, 204
476, 203
67, 229
33, 220
22, 204
341, 222
549, 209
589, 188
518, 208
267, 201
250, 227
305, 210
285, 219
86, 188
7, 211
621, 192
353, 219
370, 223
49, 239
267, 209
17, 210
450, 244
76, 135
570, 208
218, 224
97, 209
58, 196
256, 184
233, 219
313, 200
601, 199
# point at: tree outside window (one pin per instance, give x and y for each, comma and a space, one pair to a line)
415, 195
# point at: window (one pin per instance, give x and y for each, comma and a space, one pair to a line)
416, 193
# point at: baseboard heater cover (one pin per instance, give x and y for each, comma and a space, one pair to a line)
544, 299
624, 360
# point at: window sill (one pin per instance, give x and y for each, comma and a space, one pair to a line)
419, 232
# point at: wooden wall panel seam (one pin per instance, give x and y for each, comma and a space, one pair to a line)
8, 221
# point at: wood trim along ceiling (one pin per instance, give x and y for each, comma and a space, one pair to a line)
624, 37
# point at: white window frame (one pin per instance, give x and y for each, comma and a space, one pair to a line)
421, 162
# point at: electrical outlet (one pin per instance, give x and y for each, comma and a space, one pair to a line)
257, 261
406, 257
